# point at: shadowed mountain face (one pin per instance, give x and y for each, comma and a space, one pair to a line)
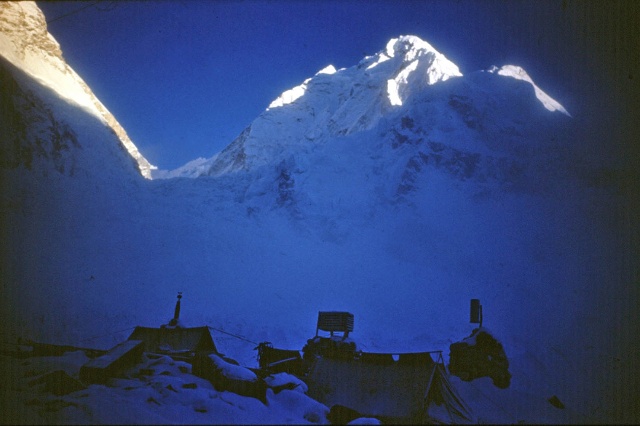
40, 133
396, 189
26, 43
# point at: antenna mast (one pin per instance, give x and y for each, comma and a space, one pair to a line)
176, 312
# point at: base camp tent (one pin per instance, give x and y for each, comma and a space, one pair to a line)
404, 388
175, 340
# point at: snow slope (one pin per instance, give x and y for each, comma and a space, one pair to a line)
398, 202
25, 42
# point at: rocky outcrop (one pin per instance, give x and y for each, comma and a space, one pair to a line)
27, 45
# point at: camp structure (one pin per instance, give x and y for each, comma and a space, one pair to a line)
409, 388
174, 340
272, 360
177, 342
180, 343
335, 322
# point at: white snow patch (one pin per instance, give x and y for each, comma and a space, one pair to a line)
518, 73
281, 379
329, 69
394, 85
289, 96
232, 371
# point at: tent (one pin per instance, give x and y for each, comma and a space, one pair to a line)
175, 340
273, 360
404, 388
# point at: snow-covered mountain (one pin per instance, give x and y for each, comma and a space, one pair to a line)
396, 189
337, 103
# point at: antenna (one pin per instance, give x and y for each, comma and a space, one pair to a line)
475, 313
176, 312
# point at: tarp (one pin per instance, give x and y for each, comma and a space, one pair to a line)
273, 360
175, 340
408, 388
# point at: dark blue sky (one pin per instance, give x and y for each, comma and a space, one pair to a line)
184, 78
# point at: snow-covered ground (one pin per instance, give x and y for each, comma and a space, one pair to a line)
472, 188
156, 391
